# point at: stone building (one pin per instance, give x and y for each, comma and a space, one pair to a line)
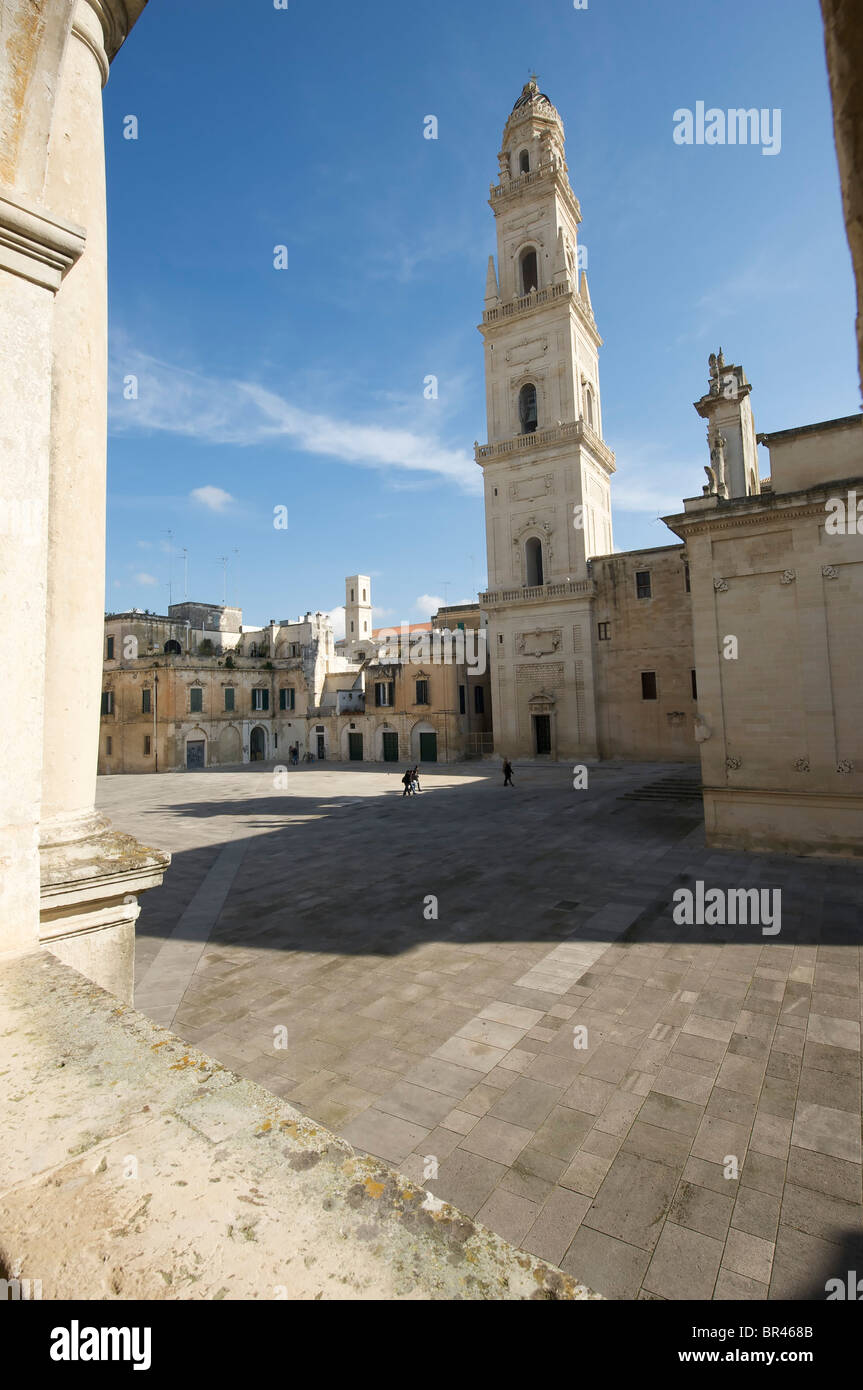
777, 592
646, 686
195, 688
590, 652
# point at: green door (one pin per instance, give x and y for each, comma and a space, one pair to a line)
391, 747
355, 747
428, 748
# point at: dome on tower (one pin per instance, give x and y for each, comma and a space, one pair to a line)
529, 93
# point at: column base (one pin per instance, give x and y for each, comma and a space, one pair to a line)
91, 878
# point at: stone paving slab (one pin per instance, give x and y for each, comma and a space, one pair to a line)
701, 1140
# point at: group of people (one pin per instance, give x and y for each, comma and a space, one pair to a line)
411, 781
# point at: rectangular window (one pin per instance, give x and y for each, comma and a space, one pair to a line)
110, 649
229, 697
107, 702
260, 699
109, 743
287, 697
145, 701
461, 700
642, 583
385, 692
422, 692
604, 632
686, 580
196, 699
478, 699
648, 685
146, 745
694, 685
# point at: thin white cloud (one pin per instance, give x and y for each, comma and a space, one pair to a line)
172, 400
144, 578
214, 498
337, 618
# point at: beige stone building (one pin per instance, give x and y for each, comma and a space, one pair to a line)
740, 645
777, 593
195, 689
646, 685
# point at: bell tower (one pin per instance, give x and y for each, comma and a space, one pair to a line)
546, 466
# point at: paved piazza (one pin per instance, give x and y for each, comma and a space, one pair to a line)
450, 1041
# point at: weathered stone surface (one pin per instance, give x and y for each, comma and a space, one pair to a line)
135, 1167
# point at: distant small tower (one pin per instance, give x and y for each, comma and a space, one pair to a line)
730, 431
358, 608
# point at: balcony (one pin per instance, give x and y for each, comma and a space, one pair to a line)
525, 302
581, 588
573, 431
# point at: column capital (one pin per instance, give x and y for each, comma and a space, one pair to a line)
115, 20
34, 244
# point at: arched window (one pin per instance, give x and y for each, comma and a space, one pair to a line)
524, 162
527, 408
588, 405
173, 648
533, 562
529, 272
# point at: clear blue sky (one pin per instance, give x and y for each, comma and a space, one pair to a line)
303, 388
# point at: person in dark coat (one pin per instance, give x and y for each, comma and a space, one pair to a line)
408, 782
507, 773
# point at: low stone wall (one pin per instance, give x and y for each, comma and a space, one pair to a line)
133, 1166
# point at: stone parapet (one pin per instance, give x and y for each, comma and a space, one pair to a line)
134, 1166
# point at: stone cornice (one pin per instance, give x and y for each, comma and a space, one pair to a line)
35, 245
774, 507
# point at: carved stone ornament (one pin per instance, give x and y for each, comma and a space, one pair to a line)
703, 730
721, 586
829, 572
788, 577
732, 764
802, 765
676, 716
538, 643
845, 766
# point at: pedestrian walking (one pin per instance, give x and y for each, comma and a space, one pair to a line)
507, 773
407, 781
415, 780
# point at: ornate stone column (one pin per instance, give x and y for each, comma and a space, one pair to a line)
90, 873
37, 249
53, 330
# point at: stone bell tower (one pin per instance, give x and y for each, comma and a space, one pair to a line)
546, 466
